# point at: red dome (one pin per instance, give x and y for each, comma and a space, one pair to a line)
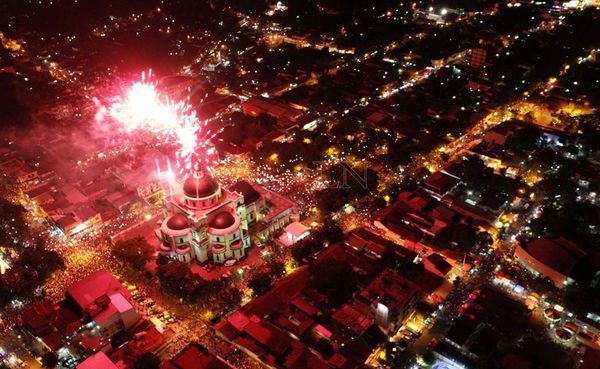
197, 187
222, 220
178, 222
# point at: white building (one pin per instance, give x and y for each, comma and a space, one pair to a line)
204, 221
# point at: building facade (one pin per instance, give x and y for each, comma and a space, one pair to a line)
204, 222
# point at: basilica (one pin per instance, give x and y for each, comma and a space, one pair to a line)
206, 222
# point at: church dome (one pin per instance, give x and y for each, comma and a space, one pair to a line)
200, 186
178, 222
222, 220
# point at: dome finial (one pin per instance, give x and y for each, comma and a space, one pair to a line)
199, 171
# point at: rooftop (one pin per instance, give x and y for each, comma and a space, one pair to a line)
94, 286
296, 229
247, 190
200, 186
440, 183
353, 319
390, 289
558, 254
196, 356
97, 361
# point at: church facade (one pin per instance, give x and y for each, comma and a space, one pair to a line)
204, 222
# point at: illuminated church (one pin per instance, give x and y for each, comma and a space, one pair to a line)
205, 222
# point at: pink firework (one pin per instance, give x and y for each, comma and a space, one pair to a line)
143, 108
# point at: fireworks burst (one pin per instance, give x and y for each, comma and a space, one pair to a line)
143, 108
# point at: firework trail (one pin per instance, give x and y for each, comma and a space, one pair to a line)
142, 108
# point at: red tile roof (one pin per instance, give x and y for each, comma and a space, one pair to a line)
97, 361
196, 356
98, 284
353, 319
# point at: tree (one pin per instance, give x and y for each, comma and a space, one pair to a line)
582, 299
163, 259
5, 292
442, 239
305, 247
20, 281
136, 251
484, 240
334, 279
542, 286
331, 199
204, 288
260, 283
409, 268
428, 358
330, 232
231, 297
13, 110
234, 134
33, 267
276, 268
49, 360
13, 225
176, 277
41, 260
147, 361
460, 237
345, 127
324, 347
526, 138
301, 251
